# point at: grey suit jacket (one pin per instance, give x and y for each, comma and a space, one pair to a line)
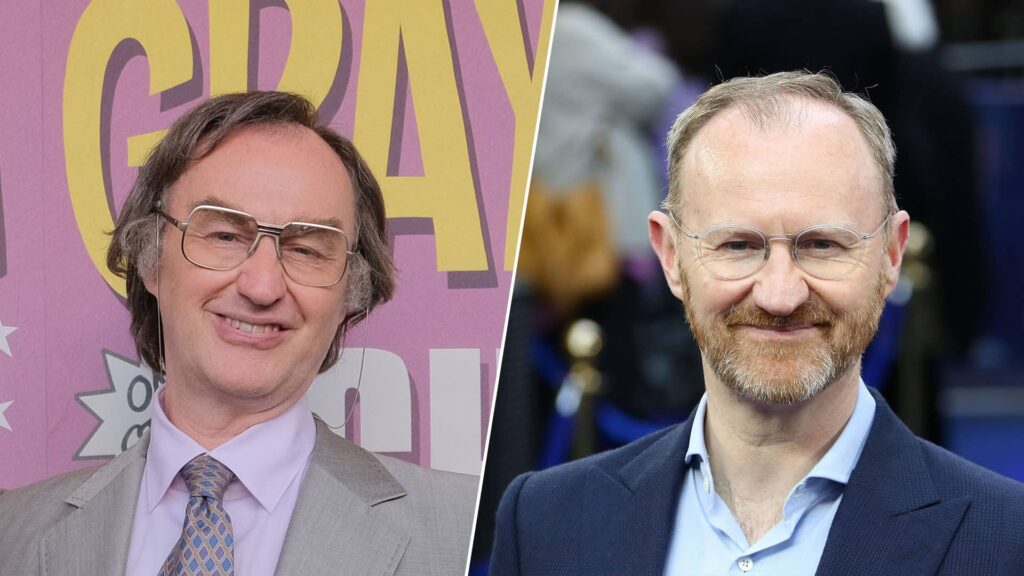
357, 513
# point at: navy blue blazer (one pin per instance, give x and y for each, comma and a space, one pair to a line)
909, 508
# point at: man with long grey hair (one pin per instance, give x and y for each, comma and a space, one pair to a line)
252, 240
781, 237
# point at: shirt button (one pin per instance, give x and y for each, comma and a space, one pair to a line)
745, 564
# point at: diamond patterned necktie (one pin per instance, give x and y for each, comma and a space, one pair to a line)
206, 546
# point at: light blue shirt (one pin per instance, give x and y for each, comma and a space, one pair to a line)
707, 539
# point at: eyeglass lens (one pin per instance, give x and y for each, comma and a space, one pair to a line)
824, 252
222, 239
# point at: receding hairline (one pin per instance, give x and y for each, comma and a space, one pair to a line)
788, 114
774, 101
209, 143
273, 129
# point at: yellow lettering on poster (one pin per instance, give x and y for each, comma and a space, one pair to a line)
313, 56
229, 46
445, 193
315, 50
140, 145
500, 19
229, 65
310, 69
160, 27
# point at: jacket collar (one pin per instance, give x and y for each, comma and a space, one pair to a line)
339, 524
638, 501
891, 519
93, 538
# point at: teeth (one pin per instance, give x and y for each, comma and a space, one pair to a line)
252, 328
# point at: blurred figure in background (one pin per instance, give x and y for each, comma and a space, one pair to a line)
583, 256
594, 171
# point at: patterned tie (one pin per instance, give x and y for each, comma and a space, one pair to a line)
206, 546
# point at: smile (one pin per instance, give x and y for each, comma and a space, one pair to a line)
252, 328
784, 328
253, 334
779, 331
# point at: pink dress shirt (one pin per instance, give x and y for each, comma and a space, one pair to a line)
269, 461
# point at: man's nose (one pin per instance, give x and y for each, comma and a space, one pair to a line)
261, 277
780, 287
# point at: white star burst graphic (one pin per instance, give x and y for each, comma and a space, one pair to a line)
3, 419
123, 409
6, 331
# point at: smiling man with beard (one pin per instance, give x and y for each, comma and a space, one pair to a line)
782, 238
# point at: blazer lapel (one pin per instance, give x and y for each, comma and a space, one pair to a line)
638, 506
891, 519
94, 538
335, 528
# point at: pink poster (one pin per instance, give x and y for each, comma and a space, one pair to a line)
441, 97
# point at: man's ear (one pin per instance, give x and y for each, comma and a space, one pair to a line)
894, 251
663, 239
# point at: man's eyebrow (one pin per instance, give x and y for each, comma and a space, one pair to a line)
332, 222
215, 201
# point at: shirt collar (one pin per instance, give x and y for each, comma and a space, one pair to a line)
838, 462
697, 447
265, 458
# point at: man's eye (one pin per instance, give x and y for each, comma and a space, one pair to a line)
819, 245
223, 237
304, 252
736, 246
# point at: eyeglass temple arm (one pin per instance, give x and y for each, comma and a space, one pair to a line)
682, 228
159, 209
879, 229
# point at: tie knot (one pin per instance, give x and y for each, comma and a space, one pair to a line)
205, 476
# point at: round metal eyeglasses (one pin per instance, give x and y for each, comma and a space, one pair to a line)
218, 238
825, 252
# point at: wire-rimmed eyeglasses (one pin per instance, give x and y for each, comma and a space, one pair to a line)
826, 252
218, 238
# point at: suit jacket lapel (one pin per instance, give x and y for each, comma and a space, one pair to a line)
891, 519
335, 528
94, 538
638, 506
